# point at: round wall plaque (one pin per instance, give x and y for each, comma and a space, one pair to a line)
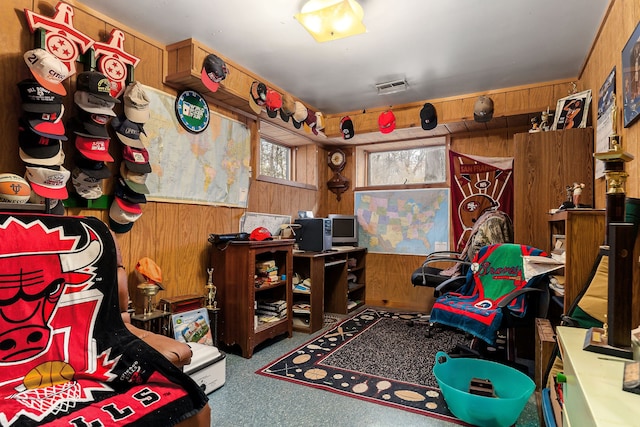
192, 111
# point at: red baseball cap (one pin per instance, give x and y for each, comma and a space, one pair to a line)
260, 233
94, 148
387, 121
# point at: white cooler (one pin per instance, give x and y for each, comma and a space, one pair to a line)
207, 367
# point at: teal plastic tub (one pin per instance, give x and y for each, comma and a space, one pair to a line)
512, 390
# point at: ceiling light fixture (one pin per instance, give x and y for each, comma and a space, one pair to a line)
331, 19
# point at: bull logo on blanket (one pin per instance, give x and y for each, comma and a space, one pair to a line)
45, 293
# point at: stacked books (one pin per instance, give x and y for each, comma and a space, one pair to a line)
271, 311
266, 272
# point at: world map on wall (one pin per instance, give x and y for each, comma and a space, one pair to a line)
211, 167
412, 222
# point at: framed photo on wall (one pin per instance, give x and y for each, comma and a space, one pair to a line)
631, 78
572, 111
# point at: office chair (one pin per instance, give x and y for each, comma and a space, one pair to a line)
492, 226
496, 294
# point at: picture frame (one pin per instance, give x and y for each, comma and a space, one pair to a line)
572, 111
631, 78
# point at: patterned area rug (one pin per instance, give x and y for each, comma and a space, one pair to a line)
376, 356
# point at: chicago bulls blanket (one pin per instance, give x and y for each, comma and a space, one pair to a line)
66, 357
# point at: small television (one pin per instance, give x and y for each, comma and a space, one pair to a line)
344, 230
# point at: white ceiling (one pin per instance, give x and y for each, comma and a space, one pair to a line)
441, 47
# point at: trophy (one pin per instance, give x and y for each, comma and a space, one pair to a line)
210, 297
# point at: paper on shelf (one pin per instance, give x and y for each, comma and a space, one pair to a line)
535, 265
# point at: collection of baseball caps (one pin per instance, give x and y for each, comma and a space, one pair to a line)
482, 113
130, 184
95, 109
284, 105
41, 130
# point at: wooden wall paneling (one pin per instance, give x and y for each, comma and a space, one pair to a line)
542, 97
517, 101
451, 110
15, 39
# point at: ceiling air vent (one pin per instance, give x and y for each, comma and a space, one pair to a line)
391, 87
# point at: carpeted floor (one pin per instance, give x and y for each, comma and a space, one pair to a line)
374, 356
391, 348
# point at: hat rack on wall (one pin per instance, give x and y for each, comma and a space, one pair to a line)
62, 21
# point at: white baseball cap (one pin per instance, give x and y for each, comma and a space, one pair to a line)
47, 69
50, 183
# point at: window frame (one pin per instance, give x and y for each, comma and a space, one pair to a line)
362, 166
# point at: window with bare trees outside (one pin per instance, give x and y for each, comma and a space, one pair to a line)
417, 165
275, 160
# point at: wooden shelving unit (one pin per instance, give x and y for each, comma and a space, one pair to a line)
330, 290
578, 233
239, 292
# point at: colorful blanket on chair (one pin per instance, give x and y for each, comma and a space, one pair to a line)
496, 272
66, 357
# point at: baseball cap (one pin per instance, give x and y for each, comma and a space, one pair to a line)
288, 106
45, 155
56, 206
311, 121
136, 159
135, 181
94, 148
86, 186
49, 125
93, 104
37, 149
97, 84
48, 182
273, 102
257, 96
128, 132
387, 121
483, 109
38, 99
299, 114
149, 270
319, 121
214, 70
94, 168
121, 220
121, 190
47, 69
346, 126
136, 103
260, 233
428, 117
92, 125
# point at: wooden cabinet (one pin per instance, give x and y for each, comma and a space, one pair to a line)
545, 163
578, 233
337, 285
241, 290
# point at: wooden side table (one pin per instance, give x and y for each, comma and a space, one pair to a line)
158, 322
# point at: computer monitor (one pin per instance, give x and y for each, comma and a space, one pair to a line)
344, 229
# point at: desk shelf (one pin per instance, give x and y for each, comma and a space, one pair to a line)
330, 288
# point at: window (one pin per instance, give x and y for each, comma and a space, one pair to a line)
413, 165
275, 160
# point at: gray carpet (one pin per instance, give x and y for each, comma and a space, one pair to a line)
393, 349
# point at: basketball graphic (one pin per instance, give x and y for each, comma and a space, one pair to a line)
48, 374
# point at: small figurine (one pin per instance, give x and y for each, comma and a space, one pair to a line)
577, 191
546, 118
534, 125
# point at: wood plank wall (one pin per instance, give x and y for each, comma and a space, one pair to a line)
175, 235
621, 21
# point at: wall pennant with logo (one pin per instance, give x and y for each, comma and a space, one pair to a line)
114, 62
61, 39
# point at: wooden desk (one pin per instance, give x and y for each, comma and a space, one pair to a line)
593, 393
